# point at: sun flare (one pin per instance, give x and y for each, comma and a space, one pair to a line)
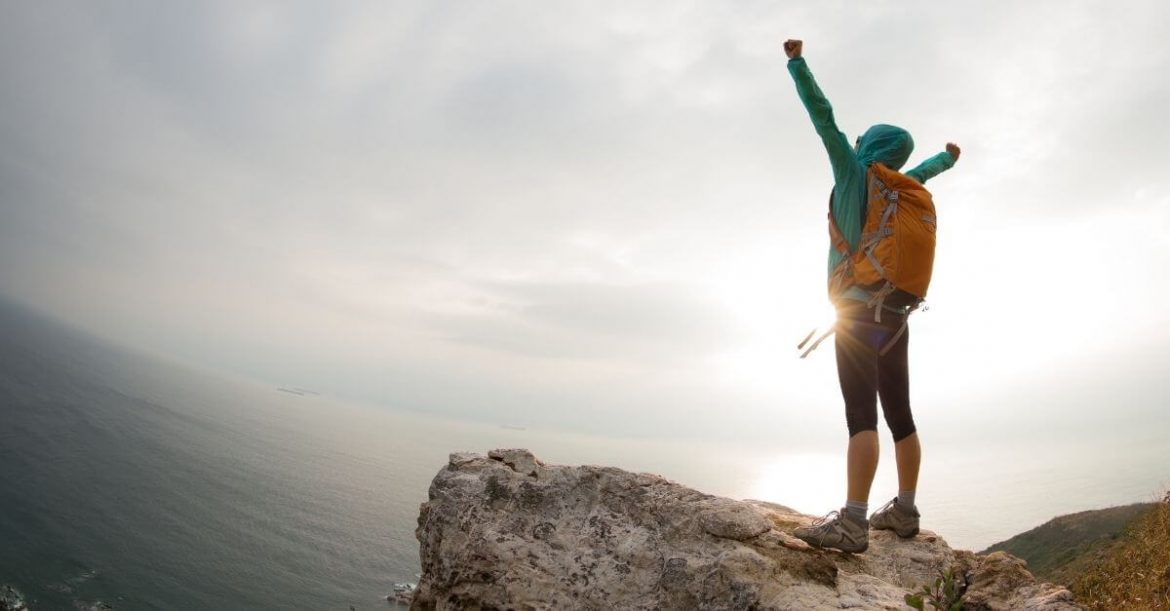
773, 318
805, 482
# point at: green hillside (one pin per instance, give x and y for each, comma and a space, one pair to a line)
1066, 547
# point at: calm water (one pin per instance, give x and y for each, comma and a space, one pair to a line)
148, 486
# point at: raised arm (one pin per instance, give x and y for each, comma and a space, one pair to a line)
935, 165
840, 152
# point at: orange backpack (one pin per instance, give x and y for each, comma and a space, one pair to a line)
896, 251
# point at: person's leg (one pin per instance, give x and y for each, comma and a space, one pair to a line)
893, 385
857, 372
899, 515
862, 462
908, 454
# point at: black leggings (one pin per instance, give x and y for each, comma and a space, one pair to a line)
865, 375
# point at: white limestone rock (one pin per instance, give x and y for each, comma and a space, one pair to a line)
506, 531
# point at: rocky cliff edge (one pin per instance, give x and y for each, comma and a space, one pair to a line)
506, 531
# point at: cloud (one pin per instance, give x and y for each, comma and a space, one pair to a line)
602, 193
592, 320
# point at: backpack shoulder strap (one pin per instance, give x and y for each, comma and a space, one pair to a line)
835, 235
841, 277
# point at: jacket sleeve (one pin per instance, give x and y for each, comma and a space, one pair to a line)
932, 167
821, 113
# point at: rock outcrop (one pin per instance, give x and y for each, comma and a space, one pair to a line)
505, 531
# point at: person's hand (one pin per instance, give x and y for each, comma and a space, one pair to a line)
953, 149
792, 48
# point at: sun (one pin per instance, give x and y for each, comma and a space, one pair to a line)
771, 318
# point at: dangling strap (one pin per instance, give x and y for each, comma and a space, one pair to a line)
894, 340
878, 301
901, 330
814, 345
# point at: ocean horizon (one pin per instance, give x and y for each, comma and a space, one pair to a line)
142, 484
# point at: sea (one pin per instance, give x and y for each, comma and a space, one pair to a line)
134, 482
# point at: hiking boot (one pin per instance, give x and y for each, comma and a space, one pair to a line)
835, 531
896, 517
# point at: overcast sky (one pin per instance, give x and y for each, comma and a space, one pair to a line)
598, 216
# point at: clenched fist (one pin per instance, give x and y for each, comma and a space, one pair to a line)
792, 48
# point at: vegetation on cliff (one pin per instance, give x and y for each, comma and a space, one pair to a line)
1115, 558
1067, 546
1134, 573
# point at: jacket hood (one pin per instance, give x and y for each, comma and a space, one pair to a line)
886, 144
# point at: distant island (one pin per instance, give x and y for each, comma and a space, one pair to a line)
298, 391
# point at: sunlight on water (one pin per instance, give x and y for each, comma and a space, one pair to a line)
810, 483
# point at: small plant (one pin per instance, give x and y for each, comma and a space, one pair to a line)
945, 594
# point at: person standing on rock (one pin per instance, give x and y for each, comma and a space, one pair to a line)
872, 336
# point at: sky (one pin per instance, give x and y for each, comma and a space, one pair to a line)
601, 217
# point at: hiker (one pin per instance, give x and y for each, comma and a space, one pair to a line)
872, 334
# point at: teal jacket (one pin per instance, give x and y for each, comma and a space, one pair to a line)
885, 143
